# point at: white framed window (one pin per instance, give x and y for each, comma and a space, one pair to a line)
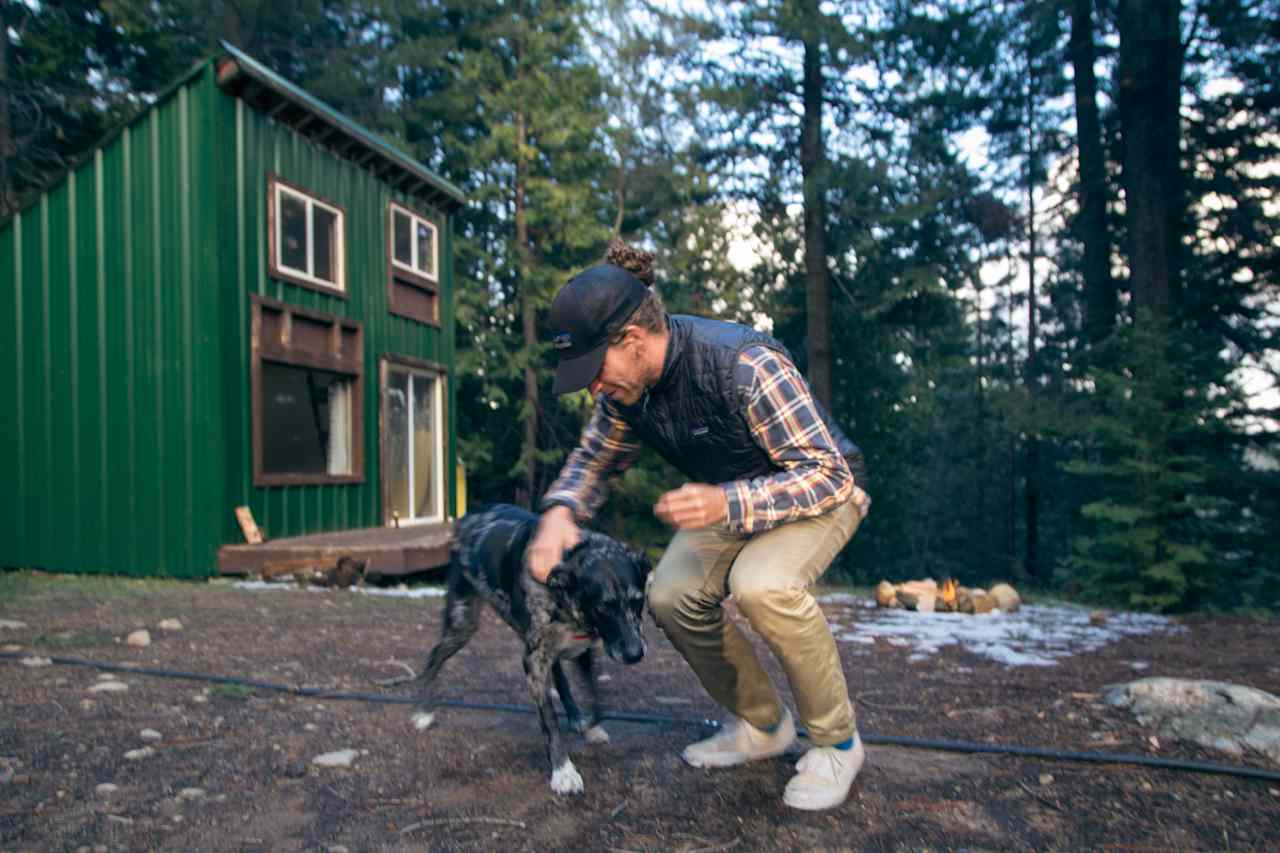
415, 244
307, 238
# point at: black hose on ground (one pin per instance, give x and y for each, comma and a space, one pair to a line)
664, 719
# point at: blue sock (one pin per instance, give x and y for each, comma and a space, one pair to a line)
846, 745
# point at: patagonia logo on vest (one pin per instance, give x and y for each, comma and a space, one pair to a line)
700, 431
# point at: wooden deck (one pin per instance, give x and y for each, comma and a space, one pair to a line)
389, 550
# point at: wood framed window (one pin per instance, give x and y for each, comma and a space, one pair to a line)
306, 238
413, 263
412, 440
307, 381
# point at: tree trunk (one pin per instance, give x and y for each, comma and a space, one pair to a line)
527, 316
813, 168
7, 201
1091, 224
1031, 558
1150, 72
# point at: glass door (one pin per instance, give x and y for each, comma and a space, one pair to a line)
413, 443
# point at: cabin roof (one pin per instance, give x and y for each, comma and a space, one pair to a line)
259, 86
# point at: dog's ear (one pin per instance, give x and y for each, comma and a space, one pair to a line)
575, 552
643, 566
561, 581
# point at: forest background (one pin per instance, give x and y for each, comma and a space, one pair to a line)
1027, 251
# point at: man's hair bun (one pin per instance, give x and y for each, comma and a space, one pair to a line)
635, 261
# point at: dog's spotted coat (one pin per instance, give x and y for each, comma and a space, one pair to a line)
597, 593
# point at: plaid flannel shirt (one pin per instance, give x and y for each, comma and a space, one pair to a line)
784, 421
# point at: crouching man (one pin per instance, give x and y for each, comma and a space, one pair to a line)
774, 491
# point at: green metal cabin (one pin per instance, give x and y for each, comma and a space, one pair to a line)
239, 298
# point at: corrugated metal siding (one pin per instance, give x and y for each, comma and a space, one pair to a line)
115, 435
262, 147
127, 349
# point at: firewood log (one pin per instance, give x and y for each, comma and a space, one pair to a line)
928, 585
1007, 598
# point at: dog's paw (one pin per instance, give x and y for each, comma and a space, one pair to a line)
422, 720
565, 779
596, 734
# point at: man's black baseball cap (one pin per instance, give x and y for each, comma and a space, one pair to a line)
595, 304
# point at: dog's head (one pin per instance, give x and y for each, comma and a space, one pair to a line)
601, 585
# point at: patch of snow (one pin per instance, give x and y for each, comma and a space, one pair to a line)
403, 591
391, 592
1035, 635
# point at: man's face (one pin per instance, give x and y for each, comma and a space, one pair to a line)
621, 377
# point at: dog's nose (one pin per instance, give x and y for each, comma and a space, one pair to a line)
632, 652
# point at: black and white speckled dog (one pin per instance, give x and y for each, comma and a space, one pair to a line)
596, 593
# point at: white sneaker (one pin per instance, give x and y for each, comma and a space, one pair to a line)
824, 776
739, 742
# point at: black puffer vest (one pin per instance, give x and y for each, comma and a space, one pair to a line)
694, 417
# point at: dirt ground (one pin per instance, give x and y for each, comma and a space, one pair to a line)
231, 769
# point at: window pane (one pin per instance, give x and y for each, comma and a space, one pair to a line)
403, 238
425, 464
306, 420
426, 248
397, 427
339, 447
325, 244
293, 232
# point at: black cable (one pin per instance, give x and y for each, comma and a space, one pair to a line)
664, 719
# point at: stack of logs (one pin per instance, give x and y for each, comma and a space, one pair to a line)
927, 596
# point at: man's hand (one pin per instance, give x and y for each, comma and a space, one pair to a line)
692, 505
557, 533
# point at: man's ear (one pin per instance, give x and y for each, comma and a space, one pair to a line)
632, 336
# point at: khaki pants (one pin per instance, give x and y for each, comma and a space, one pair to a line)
769, 575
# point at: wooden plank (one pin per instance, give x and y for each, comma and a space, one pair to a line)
390, 551
248, 526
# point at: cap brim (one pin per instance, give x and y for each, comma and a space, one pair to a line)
574, 374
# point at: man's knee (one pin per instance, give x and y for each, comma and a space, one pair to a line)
673, 603
762, 594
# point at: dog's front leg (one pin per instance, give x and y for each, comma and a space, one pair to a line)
538, 660
586, 663
571, 709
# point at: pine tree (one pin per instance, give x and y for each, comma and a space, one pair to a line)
505, 100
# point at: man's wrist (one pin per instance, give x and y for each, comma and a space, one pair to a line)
560, 503
737, 504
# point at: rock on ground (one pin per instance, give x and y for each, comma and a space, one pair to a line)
1215, 714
